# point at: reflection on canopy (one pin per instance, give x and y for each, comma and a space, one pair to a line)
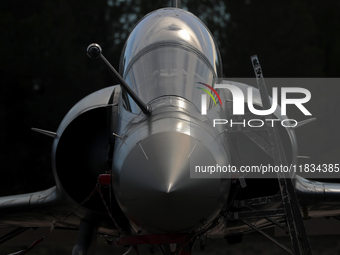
169, 71
169, 56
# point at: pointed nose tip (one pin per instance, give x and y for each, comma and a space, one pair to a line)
155, 188
168, 190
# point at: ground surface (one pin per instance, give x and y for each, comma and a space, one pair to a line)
324, 238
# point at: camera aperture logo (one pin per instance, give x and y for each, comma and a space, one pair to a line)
239, 101
204, 97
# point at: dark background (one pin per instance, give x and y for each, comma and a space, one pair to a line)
44, 69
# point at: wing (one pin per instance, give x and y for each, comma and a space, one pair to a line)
36, 209
67, 203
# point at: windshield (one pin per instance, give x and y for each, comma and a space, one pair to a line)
169, 70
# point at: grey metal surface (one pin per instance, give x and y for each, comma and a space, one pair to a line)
94, 51
277, 113
96, 100
151, 169
313, 192
87, 238
167, 53
170, 25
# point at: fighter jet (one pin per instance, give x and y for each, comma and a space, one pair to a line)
122, 156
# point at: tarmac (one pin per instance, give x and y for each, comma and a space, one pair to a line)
324, 236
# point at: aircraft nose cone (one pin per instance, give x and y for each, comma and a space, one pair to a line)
155, 188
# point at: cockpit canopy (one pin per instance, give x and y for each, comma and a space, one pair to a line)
168, 53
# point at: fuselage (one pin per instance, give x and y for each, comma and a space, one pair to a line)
166, 57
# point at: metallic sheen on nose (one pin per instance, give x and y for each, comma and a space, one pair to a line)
156, 190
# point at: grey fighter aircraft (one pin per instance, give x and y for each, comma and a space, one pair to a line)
122, 156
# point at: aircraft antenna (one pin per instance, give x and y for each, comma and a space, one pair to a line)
176, 3
95, 51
